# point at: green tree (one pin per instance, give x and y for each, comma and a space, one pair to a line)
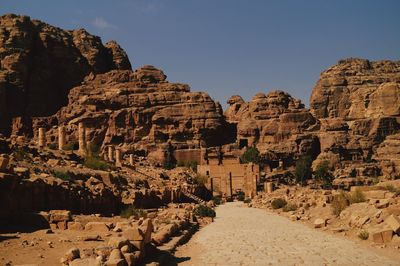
303, 169
251, 155
323, 174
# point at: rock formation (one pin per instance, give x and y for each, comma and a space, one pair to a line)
276, 123
140, 109
40, 63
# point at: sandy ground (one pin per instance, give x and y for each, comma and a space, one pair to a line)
248, 236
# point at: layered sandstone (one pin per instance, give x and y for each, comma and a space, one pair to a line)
40, 63
140, 110
276, 123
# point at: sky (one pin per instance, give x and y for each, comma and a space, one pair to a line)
228, 47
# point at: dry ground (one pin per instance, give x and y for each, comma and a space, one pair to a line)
248, 236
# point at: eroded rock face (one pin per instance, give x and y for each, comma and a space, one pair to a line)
275, 122
140, 109
357, 89
40, 63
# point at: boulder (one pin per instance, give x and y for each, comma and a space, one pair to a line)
319, 223
134, 234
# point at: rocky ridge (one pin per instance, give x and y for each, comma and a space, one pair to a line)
40, 63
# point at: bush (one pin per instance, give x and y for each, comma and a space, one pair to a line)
323, 174
392, 189
204, 211
303, 169
20, 154
217, 200
289, 207
132, 211
52, 146
93, 160
200, 179
278, 203
339, 203
168, 165
96, 163
71, 146
240, 196
364, 235
247, 200
357, 196
62, 175
251, 155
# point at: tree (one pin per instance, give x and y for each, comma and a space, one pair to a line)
323, 174
303, 169
251, 155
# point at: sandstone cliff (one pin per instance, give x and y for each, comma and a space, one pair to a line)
141, 110
40, 63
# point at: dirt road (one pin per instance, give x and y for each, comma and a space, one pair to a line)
247, 236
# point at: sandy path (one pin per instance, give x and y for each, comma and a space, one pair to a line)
247, 236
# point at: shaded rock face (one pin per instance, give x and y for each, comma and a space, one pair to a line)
276, 123
40, 63
357, 103
357, 89
140, 109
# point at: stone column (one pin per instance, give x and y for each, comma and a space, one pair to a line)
42, 137
131, 160
111, 153
118, 158
61, 137
82, 138
269, 187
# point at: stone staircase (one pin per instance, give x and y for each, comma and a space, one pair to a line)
194, 197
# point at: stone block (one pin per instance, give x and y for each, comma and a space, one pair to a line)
117, 242
134, 234
96, 226
393, 222
62, 225
59, 216
381, 236
3, 163
75, 226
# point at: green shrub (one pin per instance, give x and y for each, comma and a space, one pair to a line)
217, 200
96, 163
200, 179
303, 169
62, 175
53, 146
188, 164
71, 146
323, 174
93, 160
247, 200
289, 207
339, 203
278, 203
357, 196
132, 211
20, 154
392, 189
364, 235
168, 165
251, 155
204, 211
240, 197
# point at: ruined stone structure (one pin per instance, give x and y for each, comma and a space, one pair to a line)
225, 174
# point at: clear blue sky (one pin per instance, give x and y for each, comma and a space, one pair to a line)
227, 47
